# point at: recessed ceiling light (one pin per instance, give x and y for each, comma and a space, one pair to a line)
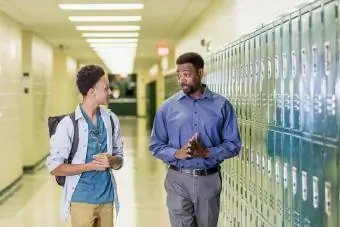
112, 40
104, 18
109, 28
117, 6
95, 45
108, 35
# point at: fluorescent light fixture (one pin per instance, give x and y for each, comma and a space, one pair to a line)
94, 45
110, 35
112, 40
108, 28
104, 18
118, 6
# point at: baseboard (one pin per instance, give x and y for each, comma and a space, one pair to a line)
36, 166
10, 189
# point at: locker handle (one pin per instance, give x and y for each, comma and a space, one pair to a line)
303, 62
328, 198
314, 59
276, 66
284, 65
269, 68
328, 58
293, 64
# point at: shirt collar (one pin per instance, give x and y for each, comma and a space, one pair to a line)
206, 94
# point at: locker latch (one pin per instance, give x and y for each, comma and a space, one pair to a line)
304, 185
315, 192
328, 198
294, 179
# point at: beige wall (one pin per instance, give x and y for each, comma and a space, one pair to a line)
10, 95
65, 94
51, 87
38, 62
226, 20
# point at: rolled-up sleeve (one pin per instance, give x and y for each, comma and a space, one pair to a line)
60, 145
117, 141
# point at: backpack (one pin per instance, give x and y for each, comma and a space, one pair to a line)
52, 127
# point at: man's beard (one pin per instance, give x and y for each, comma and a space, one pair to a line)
189, 89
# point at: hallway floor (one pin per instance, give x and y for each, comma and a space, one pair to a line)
140, 185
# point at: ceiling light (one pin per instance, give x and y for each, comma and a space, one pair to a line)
94, 45
108, 28
112, 40
108, 35
104, 18
101, 6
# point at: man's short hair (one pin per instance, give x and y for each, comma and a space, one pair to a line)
87, 77
195, 59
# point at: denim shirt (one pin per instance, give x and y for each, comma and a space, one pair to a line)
94, 187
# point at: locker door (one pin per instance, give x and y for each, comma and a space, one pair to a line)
331, 170
271, 121
296, 180
248, 79
318, 78
278, 218
286, 73
331, 46
307, 113
306, 182
252, 83
317, 182
296, 73
278, 75
287, 179
257, 77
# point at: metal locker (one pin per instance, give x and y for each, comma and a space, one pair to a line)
252, 78
330, 186
318, 78
296, 180
286, 71
247, 77
331, 52
306, 182
296, 81
256, 87
278, 218
263, 88
253, 192
271, 176
230, 73
242, 80
247, 141
306, 91
278, 74
271, 74
287, 179
317, 155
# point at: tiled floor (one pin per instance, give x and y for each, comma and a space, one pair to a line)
140, 186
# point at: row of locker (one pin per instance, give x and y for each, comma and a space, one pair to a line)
284, 179
285, 74
284, 83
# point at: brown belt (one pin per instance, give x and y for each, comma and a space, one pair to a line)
196, 172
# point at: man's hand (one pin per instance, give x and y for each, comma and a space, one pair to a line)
100, 162
197, 149
115, 162
183, 153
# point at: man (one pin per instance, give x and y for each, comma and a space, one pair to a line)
194, 131
90, 189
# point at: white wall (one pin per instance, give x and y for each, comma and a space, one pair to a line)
227, 20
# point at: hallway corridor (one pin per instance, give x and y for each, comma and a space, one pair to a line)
140, 184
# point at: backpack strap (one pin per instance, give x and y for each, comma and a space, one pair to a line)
75, 138
112, 125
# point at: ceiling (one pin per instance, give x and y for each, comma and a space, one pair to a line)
161, 20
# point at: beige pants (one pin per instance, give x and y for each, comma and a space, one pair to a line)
91, 215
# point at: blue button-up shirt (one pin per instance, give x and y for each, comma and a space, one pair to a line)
94, 187
181, 116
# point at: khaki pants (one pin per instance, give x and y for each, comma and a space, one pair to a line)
91, 215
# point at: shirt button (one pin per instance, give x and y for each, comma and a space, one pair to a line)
195, 112
195, 124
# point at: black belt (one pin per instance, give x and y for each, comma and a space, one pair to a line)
196, 172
